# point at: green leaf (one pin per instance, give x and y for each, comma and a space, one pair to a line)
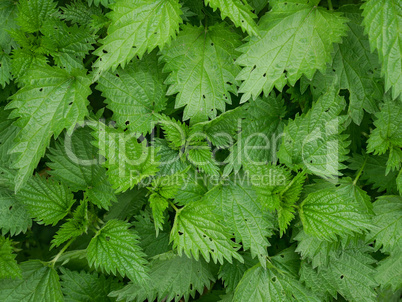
14, 217
151, 244
67, 44
257, 142
263, 285
353, 67
387, 224
144, 24
200, 62
128, 204
283, 51
158, 205
87, 287
350, 274
50, 100
74, 226
172, 277
39, 282
79, 13
314, 141
244, 216
198, 229
8, 265
115, 248
374, 172
201, 156
75, 162
382, 21
33, 13
128, 162
389, 271
388, 134
176, 132
135, 93
327, 213
5, 69
238, 11
8, 22
231, 273
46, 200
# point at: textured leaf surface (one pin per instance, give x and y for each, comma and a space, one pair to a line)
136, 27
383, 23
202, 71
115, 249
39, 283
33, 13
198, 229
260, 285
284, 50
135, 93
14, 216
326, 213
387, 224
51, 100
46, 200
244, 216
389, 271
87, 287
238, 11
76, 162
8, 264
172, 277
314, 141
353, 67
128, 162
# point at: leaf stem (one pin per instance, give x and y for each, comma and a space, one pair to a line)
359, 173
330, 5
173, 206
53, 262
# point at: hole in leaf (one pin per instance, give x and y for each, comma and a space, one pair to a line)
180, 233
212, 44
342, 276
127, 122
273, 279
107, 238
69, 104
203, 96
282, 256
264, 75
10, 208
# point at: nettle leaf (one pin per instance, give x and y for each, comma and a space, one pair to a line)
382, 22
14, 216
388, 134
8, 265
314, 141
143, 24
79, 13
151, 244
74, 226
198, 229
33, 13
262, 285
374, 172
389, 271
283, 51
353, 67
128, 162
327, 213
50, 101
387, 224
8, 22
244, 216
46, 200
5, 68
202, 72
231, 273
67, 44
76, 162
115, 249
350, 274
39, 282
260, 134
172, 277
158, 205
86, 287
128, 204
238, 11
135, 93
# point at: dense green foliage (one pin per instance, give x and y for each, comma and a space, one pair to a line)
188, 150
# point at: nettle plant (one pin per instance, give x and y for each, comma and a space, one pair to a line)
217, 150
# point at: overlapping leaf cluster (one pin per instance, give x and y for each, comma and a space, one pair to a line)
217, 150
